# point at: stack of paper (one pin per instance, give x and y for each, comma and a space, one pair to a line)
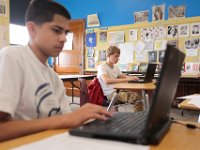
193, 99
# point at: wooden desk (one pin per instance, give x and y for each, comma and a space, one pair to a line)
75, 77
134, 86
184, 105
145, 88
178, 138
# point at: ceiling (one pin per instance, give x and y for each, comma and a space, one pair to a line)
17, 11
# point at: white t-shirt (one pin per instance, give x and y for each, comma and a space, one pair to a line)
112, 73
29, 89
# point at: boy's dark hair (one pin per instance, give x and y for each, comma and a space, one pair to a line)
41, 11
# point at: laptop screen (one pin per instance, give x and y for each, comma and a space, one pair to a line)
166, 87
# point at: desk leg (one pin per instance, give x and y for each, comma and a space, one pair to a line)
72, 83
145, 100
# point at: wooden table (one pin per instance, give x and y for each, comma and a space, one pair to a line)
134, 86
185, 105
75, 77
146, 89
178, 138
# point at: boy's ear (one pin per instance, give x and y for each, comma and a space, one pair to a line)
31, 28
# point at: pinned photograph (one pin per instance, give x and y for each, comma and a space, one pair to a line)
191, 47
4, 8
160, 32
192, 43
93, 20
90, 52
149, 45
102, 55
183, 30
152, 56
133, 35
158, 13
91, 39
173, 43
160, 45
91, 62
116, 37
103, 36
141, 16
195, 29
172, 31
147, 33
141, 56
192, 67
161, 56
175, 12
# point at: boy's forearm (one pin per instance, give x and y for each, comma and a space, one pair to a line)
17, 128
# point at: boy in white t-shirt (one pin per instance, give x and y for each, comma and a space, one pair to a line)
109, 72
32, 97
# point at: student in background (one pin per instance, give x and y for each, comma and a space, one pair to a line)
109, 73
32, 97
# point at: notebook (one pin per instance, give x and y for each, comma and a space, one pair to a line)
144, 127
149, 75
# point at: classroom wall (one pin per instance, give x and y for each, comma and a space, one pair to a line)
4, 23
120, 12
117, 15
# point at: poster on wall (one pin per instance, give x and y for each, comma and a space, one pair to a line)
102, 55
91, 62
3, 8
192, 46
141, 16
141, 56
161, 55
160, 32
126, 54
133, 35
158, 13
90, 52
103, 36
195, 29
93, 20
192, 67
152, 56
116, 37
172, 31
183, 30
149, 45
175, 12
91, 39
160, 44
147, 34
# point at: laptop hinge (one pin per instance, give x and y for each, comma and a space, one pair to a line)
157, 134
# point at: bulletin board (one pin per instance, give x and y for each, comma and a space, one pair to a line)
4, 22
137, 48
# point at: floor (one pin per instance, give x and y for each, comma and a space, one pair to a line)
188, 115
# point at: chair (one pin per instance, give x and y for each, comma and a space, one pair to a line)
84, 97
84, 94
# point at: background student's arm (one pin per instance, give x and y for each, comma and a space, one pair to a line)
15, 128
124, 76
122, 79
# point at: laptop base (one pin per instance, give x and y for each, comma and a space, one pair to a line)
144, 138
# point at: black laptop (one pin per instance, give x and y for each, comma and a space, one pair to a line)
149, 75
144, 127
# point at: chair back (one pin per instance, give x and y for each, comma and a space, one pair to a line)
84, 97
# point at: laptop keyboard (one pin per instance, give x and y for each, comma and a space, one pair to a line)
120, 123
